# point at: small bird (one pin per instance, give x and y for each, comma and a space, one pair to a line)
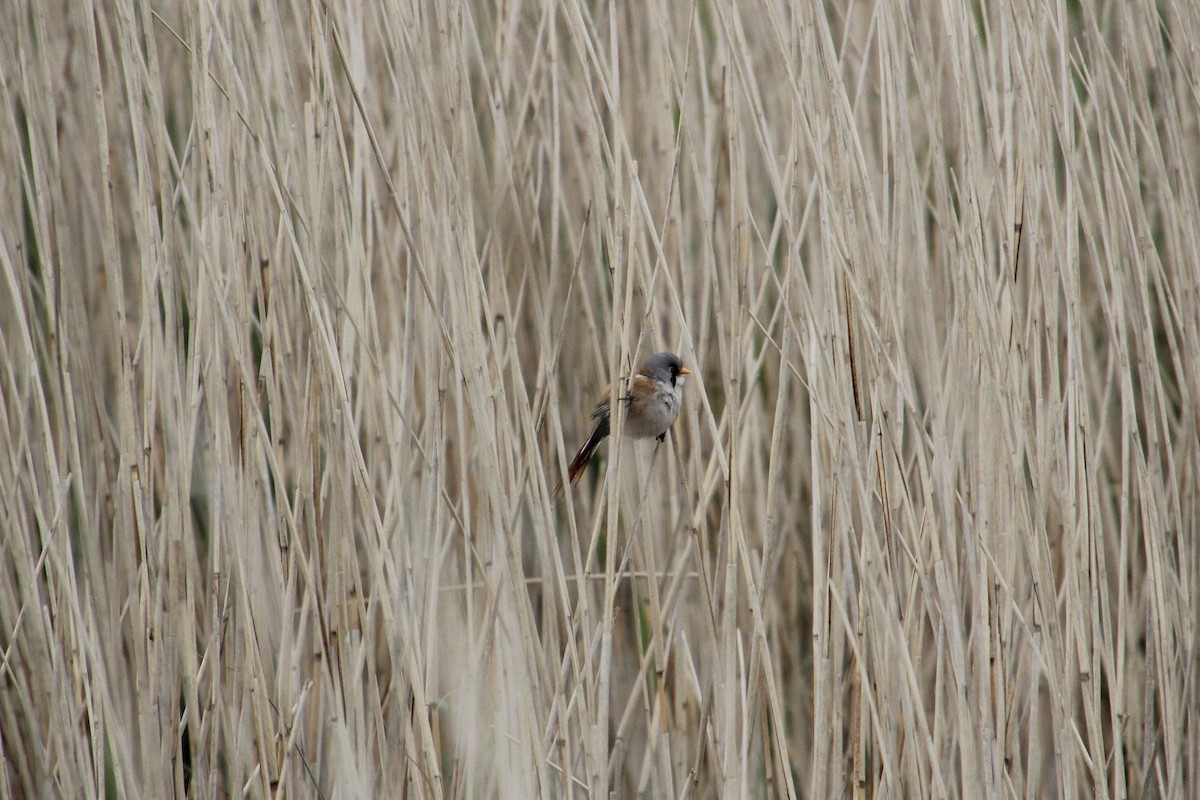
655, 393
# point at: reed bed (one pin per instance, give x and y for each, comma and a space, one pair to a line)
303, 307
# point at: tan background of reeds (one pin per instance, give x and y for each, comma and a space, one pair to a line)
303, 307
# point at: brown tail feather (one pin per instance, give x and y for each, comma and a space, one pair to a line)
580, 461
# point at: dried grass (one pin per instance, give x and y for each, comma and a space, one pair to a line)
303, 307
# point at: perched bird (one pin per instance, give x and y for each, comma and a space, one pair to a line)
654, 394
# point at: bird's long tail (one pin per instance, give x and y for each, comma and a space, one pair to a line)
580, 461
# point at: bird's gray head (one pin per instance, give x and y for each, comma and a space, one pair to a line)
666, 367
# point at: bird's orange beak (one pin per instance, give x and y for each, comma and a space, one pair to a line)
684, 371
